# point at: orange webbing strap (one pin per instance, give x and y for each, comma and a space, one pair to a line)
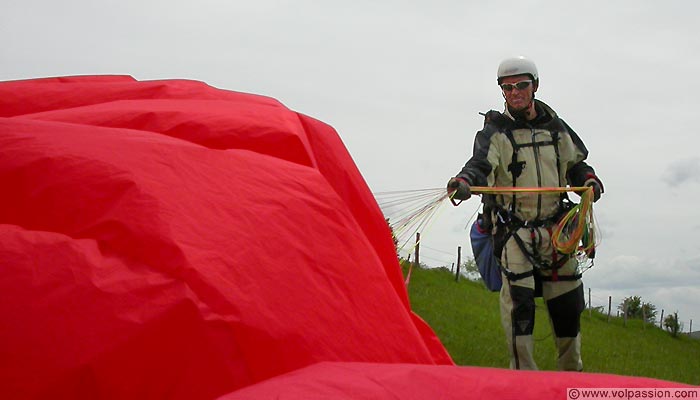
511, 190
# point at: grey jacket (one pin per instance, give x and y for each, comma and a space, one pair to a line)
544, 152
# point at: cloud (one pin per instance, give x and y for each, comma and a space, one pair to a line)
634, 272
669, 284
682, 171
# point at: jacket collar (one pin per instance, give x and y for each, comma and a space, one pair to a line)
545, 115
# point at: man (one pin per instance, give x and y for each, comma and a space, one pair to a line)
528, 145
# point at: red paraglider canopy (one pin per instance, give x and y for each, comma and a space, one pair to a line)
166, 239
349, 381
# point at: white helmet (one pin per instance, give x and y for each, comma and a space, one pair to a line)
517, 66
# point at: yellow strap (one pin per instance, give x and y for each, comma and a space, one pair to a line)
511, 190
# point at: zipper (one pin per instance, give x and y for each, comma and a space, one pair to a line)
536, 150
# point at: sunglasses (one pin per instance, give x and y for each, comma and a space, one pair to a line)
507, 87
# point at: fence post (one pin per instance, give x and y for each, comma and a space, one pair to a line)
680, 328
459, 262
690, 330
452, 269
609, 306
661, 321
417, 249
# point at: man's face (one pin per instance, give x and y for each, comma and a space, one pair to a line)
517, 99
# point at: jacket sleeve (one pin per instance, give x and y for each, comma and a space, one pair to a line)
580, 172
478, 169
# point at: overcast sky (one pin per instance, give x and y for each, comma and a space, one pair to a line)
403, 82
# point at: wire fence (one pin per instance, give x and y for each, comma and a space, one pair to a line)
615, 307
411, 212
611, 306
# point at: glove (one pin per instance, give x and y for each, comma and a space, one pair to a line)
462, 188
594, 182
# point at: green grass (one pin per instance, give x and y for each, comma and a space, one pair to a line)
465, 316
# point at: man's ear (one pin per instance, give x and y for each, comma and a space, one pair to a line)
535, 85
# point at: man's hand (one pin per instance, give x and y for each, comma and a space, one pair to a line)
594, 182
461, 187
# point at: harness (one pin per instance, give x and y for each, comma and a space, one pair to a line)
508, 224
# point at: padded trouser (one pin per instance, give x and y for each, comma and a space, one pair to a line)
564, 299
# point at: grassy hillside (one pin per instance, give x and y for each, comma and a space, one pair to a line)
466, 318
